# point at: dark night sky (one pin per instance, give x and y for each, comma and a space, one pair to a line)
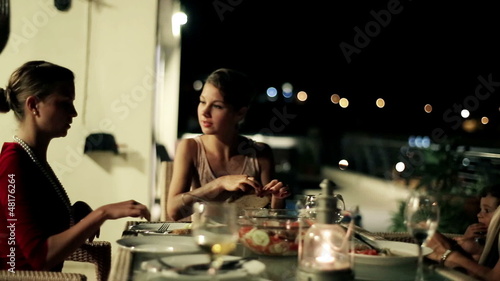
428, 52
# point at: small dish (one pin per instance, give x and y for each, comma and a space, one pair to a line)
160, 244
248, 268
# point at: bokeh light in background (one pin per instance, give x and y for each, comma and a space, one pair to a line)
464, 113
343, 164
400, 167
428, 108
287, 96
426, 142
302, 96
335, 98
287, 90
485, 120
470, 125
272, 94
344, 103
380, 103
419, 141
197, 85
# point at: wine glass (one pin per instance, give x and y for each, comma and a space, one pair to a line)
422, 219
215, 230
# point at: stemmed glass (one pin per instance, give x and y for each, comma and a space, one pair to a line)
215, 230
422, 219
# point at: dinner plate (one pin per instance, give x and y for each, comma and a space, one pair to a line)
160, 244
248, 268
403, 253
401, 266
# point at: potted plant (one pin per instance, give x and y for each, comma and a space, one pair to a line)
439, 172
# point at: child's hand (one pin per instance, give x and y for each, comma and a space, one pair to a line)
475, 230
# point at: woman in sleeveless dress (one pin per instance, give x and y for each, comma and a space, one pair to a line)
221, 164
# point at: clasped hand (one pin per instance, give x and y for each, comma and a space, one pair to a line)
470, 240
475, 230
246, 184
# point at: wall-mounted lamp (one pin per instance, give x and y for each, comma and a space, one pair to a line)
100, 142
161, 153
62, 5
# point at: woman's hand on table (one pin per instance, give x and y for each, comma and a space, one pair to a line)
238, 183
129, 208
439, 245
244, 183
471, 246
277, 189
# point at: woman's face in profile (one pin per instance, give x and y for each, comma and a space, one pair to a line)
57, 111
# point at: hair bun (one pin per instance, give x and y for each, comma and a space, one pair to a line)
4, 105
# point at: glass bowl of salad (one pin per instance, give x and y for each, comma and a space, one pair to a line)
271, 232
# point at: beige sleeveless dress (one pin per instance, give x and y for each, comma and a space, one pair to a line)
250, 167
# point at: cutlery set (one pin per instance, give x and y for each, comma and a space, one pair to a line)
163, 228
152, 228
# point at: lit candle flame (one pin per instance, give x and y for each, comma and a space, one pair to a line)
326, 255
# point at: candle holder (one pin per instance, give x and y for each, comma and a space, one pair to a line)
324, 252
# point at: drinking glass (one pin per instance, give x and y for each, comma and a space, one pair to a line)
422, 219
215, 230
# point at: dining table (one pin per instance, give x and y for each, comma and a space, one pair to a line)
129, 264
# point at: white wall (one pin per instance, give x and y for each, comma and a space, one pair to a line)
377, 199
169, 59
110, 45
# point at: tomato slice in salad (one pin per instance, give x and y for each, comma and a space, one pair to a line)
371, 252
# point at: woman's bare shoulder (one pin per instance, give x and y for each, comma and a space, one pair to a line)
254, 148
187, 142
262, 145
263, 148
187, 146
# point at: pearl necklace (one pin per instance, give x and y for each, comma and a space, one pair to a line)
52, 179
